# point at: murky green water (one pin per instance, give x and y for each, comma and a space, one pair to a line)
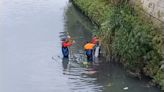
111, 77
30, 51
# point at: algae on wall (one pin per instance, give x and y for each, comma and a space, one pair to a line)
127, 35
153, 7
155, 10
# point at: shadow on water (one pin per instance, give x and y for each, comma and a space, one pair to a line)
106, 77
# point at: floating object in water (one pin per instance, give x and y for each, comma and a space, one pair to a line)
85, 63
90, 72
147, 86
109, 85
125, 88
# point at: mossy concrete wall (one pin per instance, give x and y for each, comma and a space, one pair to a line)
155, 10
153, 7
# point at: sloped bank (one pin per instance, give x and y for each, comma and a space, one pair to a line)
127, 34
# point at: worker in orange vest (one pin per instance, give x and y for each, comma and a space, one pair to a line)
88, 47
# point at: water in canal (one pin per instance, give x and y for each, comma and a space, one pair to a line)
30, 51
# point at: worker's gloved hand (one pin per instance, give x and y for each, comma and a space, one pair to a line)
68, 37
73, 41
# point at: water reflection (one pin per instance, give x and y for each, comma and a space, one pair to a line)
65, 62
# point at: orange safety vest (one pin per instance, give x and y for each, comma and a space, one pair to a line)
89, 46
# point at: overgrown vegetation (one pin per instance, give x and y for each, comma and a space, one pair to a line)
127, 35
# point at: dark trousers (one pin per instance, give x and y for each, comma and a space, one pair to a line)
65, 52
89, 58
89, 54
65, 63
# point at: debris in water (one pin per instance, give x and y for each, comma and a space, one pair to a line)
125, 88
90, 72
109, 85
85, 63
147, 86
